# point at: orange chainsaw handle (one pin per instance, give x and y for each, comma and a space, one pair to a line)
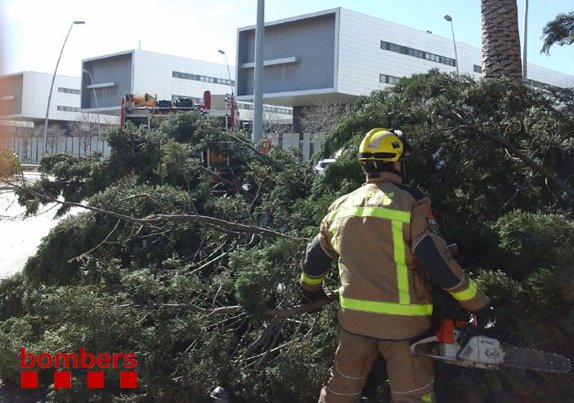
445, 332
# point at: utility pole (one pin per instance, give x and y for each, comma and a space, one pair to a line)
524, 51
258, 74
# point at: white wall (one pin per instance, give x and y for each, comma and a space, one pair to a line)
153, 74
36, 88
361, 58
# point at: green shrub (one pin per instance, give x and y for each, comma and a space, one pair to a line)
9, 163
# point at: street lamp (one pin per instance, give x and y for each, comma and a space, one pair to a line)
97, 105
228, 71
449, 19
231, 87
52, 86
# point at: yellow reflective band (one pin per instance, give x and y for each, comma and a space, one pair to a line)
427, 398
385, 307
311, 280
467, 294
377, 212
400, 261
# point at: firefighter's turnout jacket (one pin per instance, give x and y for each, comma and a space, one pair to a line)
385, 239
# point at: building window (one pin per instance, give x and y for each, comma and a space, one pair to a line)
68, 109
538, 84
69, 90
447, 60
269, 109
205, 79
276, 109
477, 69
386, 79
417, 53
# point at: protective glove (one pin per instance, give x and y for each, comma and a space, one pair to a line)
308, 297
481, 322
485, 319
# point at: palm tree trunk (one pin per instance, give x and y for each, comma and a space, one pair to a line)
500, 40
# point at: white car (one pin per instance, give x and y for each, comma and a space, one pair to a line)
323, 165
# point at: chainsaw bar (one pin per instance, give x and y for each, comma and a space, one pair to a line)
535, 360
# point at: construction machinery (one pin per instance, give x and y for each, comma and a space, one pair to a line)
140, 108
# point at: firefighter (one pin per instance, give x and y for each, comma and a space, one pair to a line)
386, 242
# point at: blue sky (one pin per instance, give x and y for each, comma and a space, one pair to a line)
32, 31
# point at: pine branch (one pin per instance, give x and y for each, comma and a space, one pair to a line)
279, 313
547, 173
227, 226
217, 222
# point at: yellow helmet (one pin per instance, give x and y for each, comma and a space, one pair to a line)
383, 145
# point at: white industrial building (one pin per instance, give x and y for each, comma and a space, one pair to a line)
165, 77
23, 103
24, 98
97, 95
106, 79
339, 54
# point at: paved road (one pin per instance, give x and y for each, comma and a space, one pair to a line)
19, 235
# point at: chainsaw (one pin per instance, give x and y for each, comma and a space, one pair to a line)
457, 342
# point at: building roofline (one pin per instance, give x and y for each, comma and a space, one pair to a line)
125, 52
134, 51
337, 10
293, 19
18, 73
24, 72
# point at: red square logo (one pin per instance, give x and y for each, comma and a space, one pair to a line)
95, 380
128, 379
62, 380
29, 380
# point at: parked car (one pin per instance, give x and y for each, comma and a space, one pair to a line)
323, 165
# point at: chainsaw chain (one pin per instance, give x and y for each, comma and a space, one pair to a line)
525, 358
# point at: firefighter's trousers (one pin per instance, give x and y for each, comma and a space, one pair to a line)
411, 378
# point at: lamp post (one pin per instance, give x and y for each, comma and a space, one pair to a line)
97, 104
449, 19
525, 49
257, 132
233, 120
228, 71
52, 86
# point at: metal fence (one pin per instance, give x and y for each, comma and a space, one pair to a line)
30, 149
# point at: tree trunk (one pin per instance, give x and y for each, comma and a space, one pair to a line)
500, 40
